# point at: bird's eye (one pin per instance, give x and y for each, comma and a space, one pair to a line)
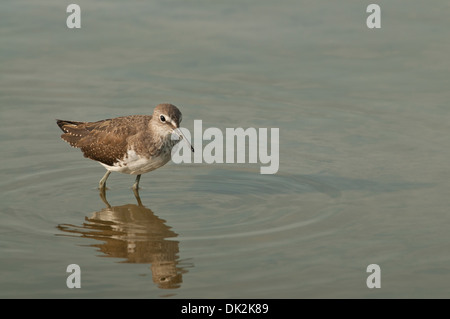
162, 118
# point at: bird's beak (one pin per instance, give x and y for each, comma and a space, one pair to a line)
180, 134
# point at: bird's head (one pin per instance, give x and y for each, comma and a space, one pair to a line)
166, 121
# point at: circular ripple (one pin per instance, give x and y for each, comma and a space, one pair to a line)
201, 202
230, 203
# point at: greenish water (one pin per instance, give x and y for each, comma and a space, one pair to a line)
364, 175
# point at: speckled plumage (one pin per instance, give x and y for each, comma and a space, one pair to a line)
133, 144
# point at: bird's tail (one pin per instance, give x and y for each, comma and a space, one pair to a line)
74, 132
62, 123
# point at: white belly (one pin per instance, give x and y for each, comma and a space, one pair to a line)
136, 164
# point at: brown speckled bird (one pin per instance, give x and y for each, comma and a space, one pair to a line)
134, 144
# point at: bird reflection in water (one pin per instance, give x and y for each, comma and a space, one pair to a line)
135, 233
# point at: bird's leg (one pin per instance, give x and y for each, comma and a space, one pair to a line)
102, 194
102, 182
136, 183
138, 198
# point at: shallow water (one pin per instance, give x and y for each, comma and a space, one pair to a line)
364, 146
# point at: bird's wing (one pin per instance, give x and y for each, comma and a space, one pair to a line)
105, 141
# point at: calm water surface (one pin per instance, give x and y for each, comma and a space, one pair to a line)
364, 174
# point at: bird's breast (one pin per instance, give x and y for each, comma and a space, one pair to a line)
136, 164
